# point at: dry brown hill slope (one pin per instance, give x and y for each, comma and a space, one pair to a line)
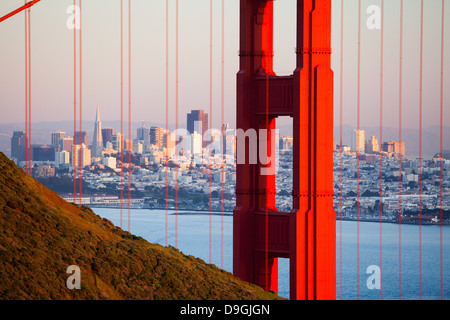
41, 235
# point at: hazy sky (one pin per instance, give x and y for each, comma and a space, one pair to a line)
52, 60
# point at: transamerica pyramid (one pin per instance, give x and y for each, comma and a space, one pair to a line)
97, 146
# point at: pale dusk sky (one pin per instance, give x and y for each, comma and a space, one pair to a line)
52, 60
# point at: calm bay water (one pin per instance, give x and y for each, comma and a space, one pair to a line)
193, 239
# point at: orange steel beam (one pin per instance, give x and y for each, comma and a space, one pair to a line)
307, 234
25, 6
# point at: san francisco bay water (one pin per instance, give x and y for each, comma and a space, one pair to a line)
193, 230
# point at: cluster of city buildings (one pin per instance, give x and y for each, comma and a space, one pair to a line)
393, 188
371, 147
373, 181
201, 166
154, 144
197, 150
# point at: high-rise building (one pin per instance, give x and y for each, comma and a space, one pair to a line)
84, 138
138, 146
65, 144
388, 146
129, 145
109, 146
82, 152
42, 153
61, 158
110, 162
358, 140
18, 146
230, 145
107, 134
143, 134
225, 127
399, 148
372, 145
169, 144
156, 136
394, 147
97, 145
56, 136
118, 142
197, 120
286, 143
214, 145
196, 143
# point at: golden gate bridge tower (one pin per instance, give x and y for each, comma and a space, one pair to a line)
307, 234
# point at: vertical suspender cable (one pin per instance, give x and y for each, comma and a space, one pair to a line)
26, 90
341, 86
29, 92
381, 139
210, 126
400, 107
81, 110
76, 152
223, 131
130, 144
420, 148
176, 132
167, 118
441, 147
121, 142
358, 147
266, 205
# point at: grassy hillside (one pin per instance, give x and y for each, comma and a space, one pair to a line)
41, 235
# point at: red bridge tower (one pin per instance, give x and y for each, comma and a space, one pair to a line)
307, 234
